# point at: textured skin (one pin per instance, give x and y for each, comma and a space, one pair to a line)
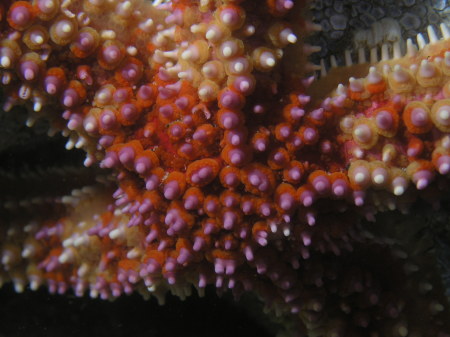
228, 167
353, 24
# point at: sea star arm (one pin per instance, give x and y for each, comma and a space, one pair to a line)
229, 169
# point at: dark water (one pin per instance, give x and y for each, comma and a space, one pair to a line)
40, 314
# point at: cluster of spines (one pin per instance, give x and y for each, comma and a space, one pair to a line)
118, 97
401, 132
200, 184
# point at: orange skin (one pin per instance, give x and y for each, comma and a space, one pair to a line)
291, 135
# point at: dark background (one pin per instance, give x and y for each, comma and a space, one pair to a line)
37, 313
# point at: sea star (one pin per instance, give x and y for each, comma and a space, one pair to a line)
231, 167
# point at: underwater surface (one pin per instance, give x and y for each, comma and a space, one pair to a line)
339, 270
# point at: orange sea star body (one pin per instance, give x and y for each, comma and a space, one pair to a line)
229, 169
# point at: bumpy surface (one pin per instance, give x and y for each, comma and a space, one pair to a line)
348, 24
229, 167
